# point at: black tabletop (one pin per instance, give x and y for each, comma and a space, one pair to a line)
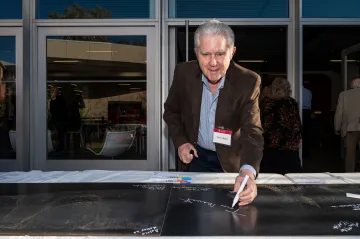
176, 210
82, 209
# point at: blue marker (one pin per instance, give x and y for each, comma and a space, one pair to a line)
185, 178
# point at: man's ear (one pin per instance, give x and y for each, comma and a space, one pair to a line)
233, 53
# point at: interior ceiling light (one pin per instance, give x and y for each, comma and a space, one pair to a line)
341, 60
66, 61
101, 51
132, 74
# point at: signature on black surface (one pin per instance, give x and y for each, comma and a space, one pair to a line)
227, 208
189, 200
150, 187
196, 189
147, 231
345, 226
355, 207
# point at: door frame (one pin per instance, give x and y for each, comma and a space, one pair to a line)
344, 61
152, 161
171, 26
19, 163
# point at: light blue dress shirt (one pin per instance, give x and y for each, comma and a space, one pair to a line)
207, 118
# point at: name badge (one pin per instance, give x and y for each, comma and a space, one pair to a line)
222, 136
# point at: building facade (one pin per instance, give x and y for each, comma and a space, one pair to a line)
85, 81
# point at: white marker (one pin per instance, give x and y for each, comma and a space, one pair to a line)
352, 195
236, 199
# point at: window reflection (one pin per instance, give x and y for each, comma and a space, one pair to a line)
330, 9
11, 9
96, 105
229, 9
7, 98
85, 118
89, 9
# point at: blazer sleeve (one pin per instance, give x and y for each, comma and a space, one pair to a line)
172, 111
251, 130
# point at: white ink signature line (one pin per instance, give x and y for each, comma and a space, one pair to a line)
234, 212
189, 200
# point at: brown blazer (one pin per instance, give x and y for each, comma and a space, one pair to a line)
237, 109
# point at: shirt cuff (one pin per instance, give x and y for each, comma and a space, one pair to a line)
249, 167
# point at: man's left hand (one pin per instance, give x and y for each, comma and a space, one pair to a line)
250, 191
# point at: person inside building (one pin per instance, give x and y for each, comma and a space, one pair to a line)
282, 129
347, 122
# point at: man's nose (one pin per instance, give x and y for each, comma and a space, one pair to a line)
213, 61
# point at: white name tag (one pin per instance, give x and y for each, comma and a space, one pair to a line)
222, 136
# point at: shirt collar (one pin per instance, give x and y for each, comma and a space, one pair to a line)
221, 84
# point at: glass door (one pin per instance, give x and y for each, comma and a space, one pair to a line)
96, 99
268, 59
11, 120
350, 61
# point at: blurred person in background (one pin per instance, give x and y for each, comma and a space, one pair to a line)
347, 122
282, 129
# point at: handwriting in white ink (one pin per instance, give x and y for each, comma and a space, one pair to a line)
235, 212
226, 207
151, 187
355, 207
192, 188
147, 231
189, 200
345, 226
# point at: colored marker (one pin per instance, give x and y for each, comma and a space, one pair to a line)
185, 178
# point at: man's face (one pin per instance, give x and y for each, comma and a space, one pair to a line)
214, 56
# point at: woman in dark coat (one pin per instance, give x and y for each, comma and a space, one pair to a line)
282, 129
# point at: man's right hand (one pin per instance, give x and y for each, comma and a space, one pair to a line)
184, 152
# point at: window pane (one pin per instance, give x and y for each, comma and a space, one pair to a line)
228, 9
331, 8
97, 97
7, 98
89, 9
323, 149
267, 57
11, 10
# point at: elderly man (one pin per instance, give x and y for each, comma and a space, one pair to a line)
212, 110
347, 122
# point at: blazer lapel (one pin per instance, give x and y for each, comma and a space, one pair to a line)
225, 97
196, 95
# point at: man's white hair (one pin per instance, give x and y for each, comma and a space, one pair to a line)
214, 28
355, 83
